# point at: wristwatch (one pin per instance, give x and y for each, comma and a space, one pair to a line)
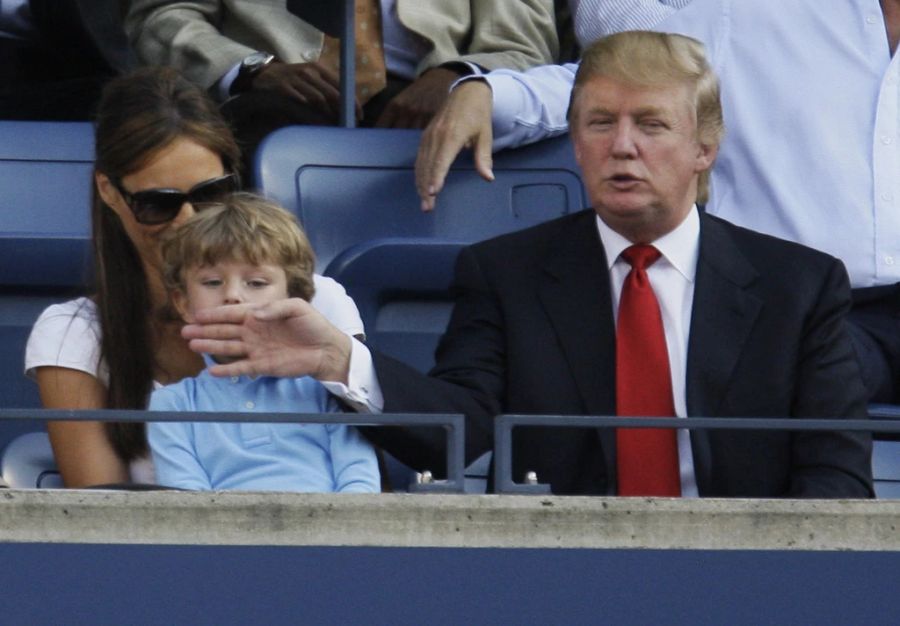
251, 66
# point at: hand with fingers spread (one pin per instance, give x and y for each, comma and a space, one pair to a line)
313, 84
288, 338
463, 122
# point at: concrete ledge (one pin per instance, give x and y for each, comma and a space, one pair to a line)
461, 521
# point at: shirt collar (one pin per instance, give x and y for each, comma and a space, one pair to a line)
680, 247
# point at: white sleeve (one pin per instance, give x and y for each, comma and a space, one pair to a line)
66, 335
332, 301
594, 19
530, 106
363, 391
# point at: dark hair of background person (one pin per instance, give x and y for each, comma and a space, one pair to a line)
138, 115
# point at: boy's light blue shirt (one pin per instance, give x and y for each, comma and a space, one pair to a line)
257, 456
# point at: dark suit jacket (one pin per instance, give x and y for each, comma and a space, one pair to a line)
532, 332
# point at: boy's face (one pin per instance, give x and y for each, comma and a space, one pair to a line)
229, 282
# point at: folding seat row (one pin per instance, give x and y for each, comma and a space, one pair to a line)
354, 192
45, 182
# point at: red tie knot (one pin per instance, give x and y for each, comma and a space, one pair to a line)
641, 256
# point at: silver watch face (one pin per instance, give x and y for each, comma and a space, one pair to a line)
256, 61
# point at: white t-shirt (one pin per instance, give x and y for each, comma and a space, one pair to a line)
68, 335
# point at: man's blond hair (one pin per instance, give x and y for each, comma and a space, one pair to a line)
651, 59
243, 227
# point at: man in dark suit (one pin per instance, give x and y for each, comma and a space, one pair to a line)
730, 323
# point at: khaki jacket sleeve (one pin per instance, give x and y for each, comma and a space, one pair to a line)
491, 33
205, 38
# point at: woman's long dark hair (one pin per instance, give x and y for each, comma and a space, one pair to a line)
138, 115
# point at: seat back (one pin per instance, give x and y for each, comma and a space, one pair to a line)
886, 468
401, 287
402, 290
351, 186
27, 463
45, 185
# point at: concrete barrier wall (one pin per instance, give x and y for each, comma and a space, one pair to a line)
91, 557
461, 521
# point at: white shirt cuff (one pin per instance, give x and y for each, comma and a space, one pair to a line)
363, 391
476, 74
223, 87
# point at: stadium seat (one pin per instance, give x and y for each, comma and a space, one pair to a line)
348, 186
886, 468
27, 463
45, 183
401, 287
45, 187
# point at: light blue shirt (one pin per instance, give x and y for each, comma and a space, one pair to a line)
257, 456
812, 105
594, 19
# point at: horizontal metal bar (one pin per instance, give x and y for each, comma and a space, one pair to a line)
884, 411
719, 423
454, 424
504, 424
136, 415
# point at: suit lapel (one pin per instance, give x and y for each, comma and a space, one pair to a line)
724, 314
574, 292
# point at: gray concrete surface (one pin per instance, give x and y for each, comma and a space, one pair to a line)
405, 520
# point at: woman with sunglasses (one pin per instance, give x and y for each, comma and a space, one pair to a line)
162, 150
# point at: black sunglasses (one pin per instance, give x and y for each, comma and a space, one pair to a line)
158, 206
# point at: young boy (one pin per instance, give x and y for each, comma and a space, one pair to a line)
249, 250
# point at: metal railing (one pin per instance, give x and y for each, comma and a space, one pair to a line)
453, 424
503, 425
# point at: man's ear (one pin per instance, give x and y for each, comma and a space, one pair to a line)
106, 189
179, 301
706, 156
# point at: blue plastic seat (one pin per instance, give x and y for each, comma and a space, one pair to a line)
45, 219
401, 287
886, 468
45, 186
27, 463
351, 186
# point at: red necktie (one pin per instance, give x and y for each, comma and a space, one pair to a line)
647, 459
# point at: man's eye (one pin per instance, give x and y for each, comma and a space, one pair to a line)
653, 124
599, 123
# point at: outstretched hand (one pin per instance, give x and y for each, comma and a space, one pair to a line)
463, 122
286, 338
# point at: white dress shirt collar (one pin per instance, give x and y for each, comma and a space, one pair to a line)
680, 247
